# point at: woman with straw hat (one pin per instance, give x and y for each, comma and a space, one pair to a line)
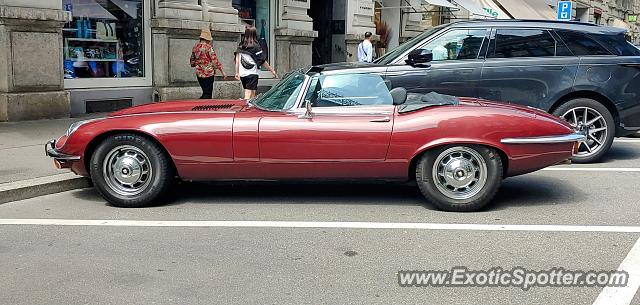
206, 62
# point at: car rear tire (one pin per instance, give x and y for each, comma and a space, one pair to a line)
595, 121
459, 178
131, 171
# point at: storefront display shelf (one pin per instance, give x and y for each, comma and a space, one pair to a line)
92, 40
94, 59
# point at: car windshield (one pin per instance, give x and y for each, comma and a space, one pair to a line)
283, 95
399, 50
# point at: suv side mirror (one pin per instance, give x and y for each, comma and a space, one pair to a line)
419, 57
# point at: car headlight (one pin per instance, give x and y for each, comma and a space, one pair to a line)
77, 125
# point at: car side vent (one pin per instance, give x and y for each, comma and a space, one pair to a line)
211, 107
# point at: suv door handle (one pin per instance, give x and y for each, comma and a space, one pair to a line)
381, 120
630, 65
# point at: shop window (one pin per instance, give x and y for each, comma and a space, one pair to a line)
105, 39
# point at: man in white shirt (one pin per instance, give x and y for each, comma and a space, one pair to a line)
365, 49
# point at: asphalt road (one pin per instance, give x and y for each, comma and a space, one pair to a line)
131, 263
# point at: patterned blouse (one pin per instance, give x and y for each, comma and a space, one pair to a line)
205, 59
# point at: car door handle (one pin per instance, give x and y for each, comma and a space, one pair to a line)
381, 120
554, 68
460, 71
630, 65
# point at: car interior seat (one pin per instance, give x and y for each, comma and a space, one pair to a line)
399, 95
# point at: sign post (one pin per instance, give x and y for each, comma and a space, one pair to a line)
564, 10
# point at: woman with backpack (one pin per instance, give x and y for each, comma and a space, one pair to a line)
206, 62
249, 57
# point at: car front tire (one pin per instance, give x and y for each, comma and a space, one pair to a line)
130, 171
459, 178
595, 121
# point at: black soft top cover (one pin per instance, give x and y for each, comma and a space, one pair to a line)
419, 101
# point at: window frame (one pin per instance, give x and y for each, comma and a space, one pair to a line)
493, 42
559, 40
303, 85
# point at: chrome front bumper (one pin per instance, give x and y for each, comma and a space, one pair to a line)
50, 150
574, 137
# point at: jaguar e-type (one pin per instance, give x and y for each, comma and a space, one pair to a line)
319, 124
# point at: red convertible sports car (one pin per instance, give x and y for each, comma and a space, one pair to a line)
323, 123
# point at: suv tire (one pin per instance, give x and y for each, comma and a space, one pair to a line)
595, 121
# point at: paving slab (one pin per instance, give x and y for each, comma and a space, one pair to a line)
22, 147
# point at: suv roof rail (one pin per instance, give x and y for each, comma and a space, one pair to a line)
530, 20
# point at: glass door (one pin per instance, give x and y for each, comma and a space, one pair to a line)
258, 13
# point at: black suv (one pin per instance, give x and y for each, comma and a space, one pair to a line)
587, 74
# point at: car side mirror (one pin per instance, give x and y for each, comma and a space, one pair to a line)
307, 110
419, 57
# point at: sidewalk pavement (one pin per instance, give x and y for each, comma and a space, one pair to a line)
25, 170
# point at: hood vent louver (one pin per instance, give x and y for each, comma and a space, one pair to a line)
211, 107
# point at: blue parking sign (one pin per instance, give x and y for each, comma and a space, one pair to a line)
564, 10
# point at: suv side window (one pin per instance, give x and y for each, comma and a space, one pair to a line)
618, 44
348, 90
522, 43
456, 44
581, 44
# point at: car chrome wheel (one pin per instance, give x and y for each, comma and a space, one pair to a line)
590, 123
459, 173
127, 170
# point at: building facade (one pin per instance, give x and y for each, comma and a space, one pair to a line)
70, 57
410, 17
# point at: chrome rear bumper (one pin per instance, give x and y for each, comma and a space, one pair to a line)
574, 137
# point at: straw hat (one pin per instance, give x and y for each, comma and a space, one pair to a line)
206, 35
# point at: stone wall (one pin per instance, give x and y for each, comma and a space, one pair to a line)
359, 21
175, 29
51, 4
31, 78
294, 49
294, 36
